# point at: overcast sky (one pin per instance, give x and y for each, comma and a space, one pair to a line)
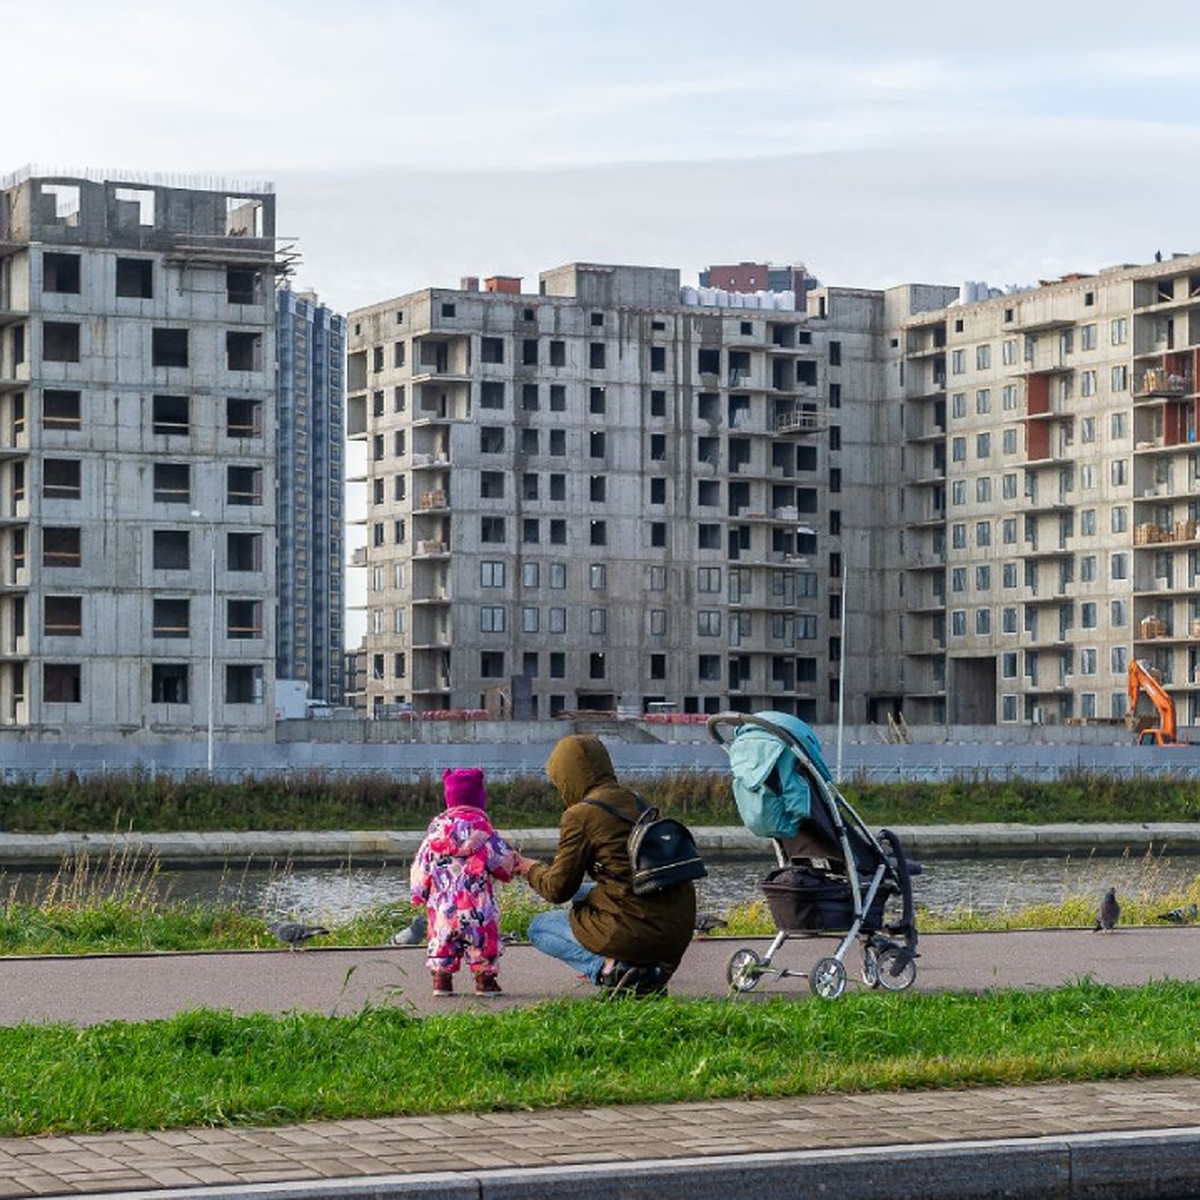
411, 143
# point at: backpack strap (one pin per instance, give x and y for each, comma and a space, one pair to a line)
642, 807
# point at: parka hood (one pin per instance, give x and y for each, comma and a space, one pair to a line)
577, 764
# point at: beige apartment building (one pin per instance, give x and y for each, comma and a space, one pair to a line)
137, 460
1051, 498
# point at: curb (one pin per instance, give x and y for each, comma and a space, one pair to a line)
1149, 1164
732, 841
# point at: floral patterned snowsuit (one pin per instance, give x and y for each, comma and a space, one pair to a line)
452, 876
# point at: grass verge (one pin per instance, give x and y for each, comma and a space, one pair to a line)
217, 1068
144, 803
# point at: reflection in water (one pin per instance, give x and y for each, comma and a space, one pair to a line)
984, 884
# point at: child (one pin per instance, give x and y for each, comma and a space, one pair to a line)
452, 876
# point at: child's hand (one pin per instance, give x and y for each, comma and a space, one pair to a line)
523, 864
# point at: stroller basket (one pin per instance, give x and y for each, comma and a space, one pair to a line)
805, 901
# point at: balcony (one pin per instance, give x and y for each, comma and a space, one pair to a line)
1163, 381
799, 421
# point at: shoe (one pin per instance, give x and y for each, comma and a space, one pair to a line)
487, 985
627, 979
443, 984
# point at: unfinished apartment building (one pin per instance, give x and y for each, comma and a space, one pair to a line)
137, 460
1051, 501
599, 497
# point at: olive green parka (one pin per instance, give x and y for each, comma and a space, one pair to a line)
610, 920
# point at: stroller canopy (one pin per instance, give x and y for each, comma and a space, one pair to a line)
770, 786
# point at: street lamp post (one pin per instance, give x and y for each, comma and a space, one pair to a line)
212, 640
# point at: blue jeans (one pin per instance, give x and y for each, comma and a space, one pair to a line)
551, 933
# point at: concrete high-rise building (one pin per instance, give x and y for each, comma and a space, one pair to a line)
137, 459
310, 497
598, 497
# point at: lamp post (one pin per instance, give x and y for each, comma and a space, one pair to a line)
212, 637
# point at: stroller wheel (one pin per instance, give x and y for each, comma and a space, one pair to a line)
828, 978
744, 970
896, 969
870, 967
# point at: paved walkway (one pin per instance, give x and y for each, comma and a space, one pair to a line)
688, 1136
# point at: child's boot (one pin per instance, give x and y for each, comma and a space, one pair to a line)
486, 984
443, 984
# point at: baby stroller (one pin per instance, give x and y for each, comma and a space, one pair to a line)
832, 874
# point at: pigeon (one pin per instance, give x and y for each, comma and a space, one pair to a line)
1109, 914
411, 935
294, 933
1180, 916
707, 922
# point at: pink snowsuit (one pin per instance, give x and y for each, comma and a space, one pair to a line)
452, 876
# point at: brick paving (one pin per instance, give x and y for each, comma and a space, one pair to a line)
99, 1163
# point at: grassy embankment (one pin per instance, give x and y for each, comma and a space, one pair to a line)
148, 804
222, 1069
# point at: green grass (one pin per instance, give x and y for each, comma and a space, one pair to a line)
146, 803
216, 1068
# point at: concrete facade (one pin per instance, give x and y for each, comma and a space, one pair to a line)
1051, 498
137, 460
599, 497
624, 499
310, 497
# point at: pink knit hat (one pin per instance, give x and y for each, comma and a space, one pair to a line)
464, 786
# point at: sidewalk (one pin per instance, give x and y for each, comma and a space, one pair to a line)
1135, 1138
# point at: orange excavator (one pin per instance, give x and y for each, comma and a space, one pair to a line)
1145, 680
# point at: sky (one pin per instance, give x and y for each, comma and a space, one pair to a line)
411, 142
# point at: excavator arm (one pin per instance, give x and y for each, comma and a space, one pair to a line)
1143, 680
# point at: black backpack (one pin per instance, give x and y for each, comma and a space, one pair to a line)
662, 851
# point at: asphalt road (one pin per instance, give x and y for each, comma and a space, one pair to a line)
88, 990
